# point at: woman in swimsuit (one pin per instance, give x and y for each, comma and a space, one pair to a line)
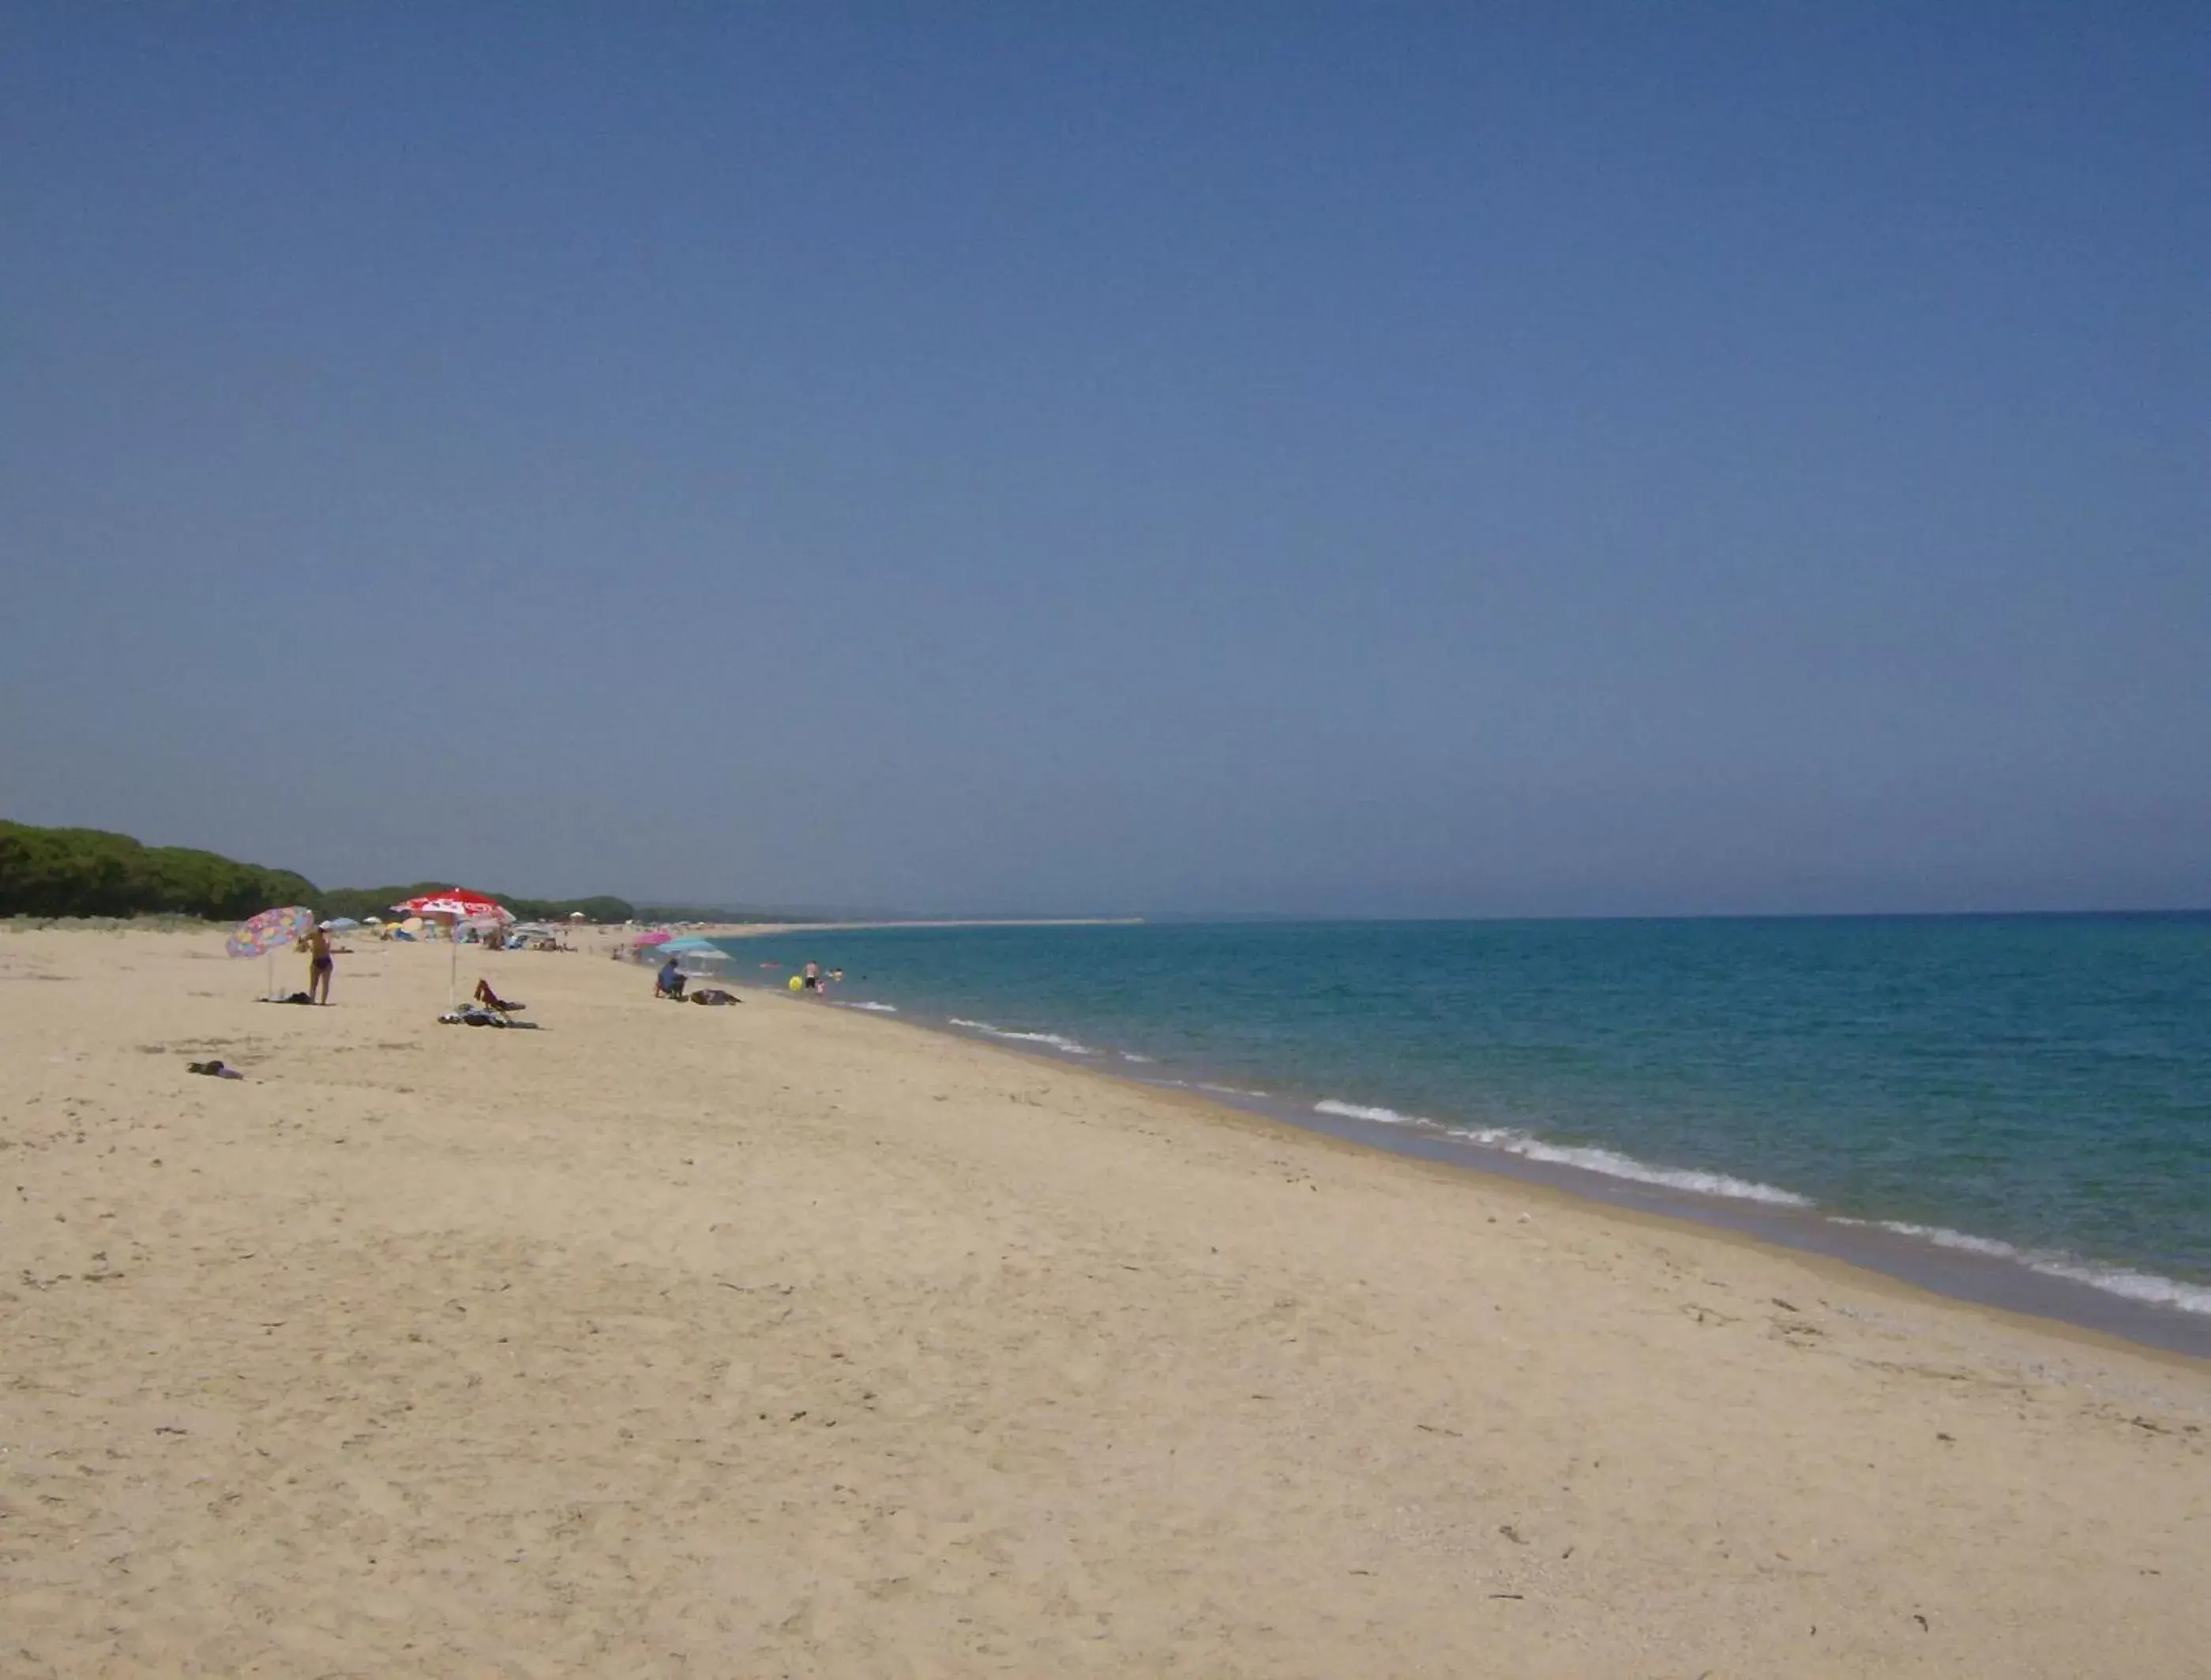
319, 965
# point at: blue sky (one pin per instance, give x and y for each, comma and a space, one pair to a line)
1344, 459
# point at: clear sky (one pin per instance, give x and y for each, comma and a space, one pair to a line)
1392, 459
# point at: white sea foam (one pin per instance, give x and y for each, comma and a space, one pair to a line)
1130, 1055
2134, 1285
1054, 1040
2119, 1280
1613, 1164
1360, 1111
1610, 1162
1229, 1090
1942, 1237
873, 1008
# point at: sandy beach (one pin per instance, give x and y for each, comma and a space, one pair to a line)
781, 1340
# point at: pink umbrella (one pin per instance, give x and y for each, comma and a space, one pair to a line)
658, 936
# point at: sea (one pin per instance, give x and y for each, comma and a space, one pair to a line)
2014, 1110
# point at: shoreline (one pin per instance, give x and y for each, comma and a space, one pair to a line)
749, 1338
2101, 1296
1970, 1277
1580, 1193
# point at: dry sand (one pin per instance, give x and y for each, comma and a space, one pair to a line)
778, 1340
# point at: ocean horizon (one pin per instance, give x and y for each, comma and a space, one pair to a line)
2009, 1108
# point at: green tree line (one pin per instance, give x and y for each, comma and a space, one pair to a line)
89, 872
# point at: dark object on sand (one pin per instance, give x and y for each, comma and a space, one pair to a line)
214, 1070
296, 997
711, 994
476, 1015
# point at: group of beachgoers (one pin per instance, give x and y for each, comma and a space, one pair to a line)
672, 983
322, 964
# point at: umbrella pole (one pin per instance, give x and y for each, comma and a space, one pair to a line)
453, 975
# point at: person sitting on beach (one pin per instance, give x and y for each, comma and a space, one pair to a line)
491, 999
671, 982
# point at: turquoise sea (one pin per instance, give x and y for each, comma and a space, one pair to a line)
2016, 1110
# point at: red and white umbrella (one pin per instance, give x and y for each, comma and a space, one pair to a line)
457, 904
452, 908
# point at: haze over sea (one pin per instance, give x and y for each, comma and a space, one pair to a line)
2030, 1092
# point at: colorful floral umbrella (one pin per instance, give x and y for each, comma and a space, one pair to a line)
270, 933
271, 930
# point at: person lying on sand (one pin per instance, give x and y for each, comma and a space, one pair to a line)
714, 994
491, 999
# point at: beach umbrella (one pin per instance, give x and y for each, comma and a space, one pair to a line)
344, 921
658, 936
450, 909
457, 906
263, 935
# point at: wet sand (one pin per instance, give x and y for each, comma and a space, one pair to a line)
777, 1339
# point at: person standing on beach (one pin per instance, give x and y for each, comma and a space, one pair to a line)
320, 964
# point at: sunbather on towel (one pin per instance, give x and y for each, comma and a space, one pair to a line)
491, 999
714, 994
